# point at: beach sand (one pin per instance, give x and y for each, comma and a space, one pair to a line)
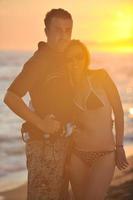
122, 184
15, 194
121, 187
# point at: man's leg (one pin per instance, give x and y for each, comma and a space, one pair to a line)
46, 170
34, 152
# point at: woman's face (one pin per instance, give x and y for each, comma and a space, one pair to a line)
75, 62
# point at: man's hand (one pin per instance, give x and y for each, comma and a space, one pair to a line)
49, 124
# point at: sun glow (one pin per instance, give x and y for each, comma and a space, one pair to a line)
131, 111
105, 25
123, 25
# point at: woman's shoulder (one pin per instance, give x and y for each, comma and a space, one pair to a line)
101, 73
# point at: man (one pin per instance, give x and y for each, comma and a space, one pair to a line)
45, 176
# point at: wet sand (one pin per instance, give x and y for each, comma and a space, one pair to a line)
122, 185
15, 194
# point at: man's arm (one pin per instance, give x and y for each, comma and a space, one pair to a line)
18, 106
23, 83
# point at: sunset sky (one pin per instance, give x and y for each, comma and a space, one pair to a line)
103, 24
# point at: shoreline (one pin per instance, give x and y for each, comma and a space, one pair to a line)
12, 181
17, 193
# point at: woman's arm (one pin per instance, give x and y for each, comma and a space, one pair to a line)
115, 101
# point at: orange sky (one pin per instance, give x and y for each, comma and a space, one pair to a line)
103, 24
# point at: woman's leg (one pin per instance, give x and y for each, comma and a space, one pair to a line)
79, 171
100, 177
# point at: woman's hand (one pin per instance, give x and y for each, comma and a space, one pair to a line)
121, 160
49, 124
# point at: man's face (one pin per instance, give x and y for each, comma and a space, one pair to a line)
59, 33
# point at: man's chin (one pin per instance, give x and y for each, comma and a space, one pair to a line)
61, 48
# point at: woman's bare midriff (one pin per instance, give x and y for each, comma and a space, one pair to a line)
93, 141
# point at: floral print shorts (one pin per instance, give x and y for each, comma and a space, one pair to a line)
47, 169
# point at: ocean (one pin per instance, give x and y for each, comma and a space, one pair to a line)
12, 158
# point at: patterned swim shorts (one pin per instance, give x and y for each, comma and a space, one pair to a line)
47, 164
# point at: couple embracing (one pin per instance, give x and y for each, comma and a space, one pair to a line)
68, 122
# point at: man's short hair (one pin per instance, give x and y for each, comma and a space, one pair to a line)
59, 12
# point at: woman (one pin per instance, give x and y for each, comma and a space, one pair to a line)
95, 152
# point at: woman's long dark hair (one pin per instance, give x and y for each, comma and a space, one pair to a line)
85, 52
86, 57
